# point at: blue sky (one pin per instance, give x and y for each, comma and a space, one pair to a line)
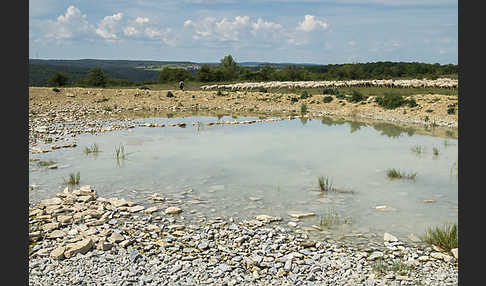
305, 31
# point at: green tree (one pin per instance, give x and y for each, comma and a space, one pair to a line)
97, 77
229, 68
204, 74
58, 79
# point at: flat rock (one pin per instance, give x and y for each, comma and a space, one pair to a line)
173, 210
50, 226
82, 247
116, 237
455, 252
375, 255
135, 209
389, 237
58, 252
151, 210
52, 201
384, 208
57, 234
301, 215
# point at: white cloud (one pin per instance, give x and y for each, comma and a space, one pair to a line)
310, 23
110, 26
261, 25
141, 20
131, 31
67, 26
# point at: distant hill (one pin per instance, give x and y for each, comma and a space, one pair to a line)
144, 71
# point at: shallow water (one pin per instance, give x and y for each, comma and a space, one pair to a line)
276, 162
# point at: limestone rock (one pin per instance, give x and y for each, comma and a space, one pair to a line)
455, 252
82, 247
52, 201
135, 209
375, 255
58, 252
116, 237
57, 234
173, 210
151, 210
389, 238
301, 215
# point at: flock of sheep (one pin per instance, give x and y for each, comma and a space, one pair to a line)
405, 83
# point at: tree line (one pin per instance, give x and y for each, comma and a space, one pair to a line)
229, 70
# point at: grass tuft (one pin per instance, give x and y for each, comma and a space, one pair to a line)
73, 179
92, 149
445, 237
396, 174
303, 108
418, 149
325, 184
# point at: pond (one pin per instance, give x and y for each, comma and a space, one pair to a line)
273, 168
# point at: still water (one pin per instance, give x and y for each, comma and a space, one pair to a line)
272, 168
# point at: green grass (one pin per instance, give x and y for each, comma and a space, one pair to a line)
93, 149
325, 184
445, 237
46, 163
391, 101
356, 96
73, 179
120, 152
330, 218
396, 174
417, 149
398, 267
303, 108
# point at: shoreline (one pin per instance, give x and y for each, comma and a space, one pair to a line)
114, 241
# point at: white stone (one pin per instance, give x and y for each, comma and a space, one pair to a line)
389, 237
173, 210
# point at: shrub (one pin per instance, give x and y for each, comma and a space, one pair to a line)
327, 99
58, 79
262, 89
429, 110
390, 101
305, 95
219, 93
294, 99
333, 91
56, 89
356, 96
340, 96
412, 103
170, 94
144, 87
451, 109
303, 108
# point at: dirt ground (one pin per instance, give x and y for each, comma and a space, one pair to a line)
431, 109
87, 105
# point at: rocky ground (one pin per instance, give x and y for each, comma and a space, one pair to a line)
78, 238
55, 118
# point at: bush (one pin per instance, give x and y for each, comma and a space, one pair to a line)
327, 99
56, 89
340, 96
144, 87
303, 108
262, 89
412, 103
390, 101
219, 93
294, 99
356, 96
170, 94
58, 79
451, 109
332, 91
305, 95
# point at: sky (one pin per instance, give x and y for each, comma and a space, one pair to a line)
297, 31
